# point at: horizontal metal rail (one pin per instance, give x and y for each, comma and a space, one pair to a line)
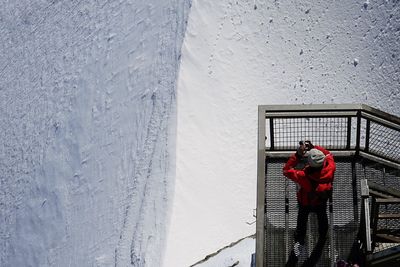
310, 114
356, 127
286, 154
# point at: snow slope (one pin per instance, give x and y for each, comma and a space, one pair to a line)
240, 54
87, 119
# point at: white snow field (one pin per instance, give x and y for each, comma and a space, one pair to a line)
87, 130
122, 141
240, 54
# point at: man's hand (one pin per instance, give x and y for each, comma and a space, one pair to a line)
301, 150
308, 145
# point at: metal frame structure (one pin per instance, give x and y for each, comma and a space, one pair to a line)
351, 131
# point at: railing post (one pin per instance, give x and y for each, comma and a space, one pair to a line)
367, 132
367, 217
358, 133
348, 133
271, 131
348, 144
287, 247
331, 233
260, 227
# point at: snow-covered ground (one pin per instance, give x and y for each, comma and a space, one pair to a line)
240, 54
87, 135
106, 141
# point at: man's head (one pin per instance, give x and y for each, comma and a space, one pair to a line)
315, 158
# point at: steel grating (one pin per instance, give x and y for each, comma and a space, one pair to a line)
280, 227
328, 132
384, 141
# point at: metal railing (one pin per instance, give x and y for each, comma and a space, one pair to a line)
356, 128
351, 131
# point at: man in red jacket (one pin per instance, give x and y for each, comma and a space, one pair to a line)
315, 182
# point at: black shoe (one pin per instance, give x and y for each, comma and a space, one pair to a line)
308, 263
292, 261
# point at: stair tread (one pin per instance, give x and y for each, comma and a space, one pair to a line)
387, 191
389, 216
391, 200
379, 194
391, 238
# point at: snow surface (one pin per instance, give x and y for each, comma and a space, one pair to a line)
87, 118
98, 156
240, 54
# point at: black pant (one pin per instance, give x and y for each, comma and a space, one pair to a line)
301, 229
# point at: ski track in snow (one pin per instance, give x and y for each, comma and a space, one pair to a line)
129, 235
149, 200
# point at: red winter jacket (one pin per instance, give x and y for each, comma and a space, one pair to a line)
315, 184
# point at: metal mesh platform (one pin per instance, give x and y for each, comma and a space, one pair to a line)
280, 226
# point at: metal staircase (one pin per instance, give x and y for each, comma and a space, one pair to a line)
365, 212
385, 203
382, 226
